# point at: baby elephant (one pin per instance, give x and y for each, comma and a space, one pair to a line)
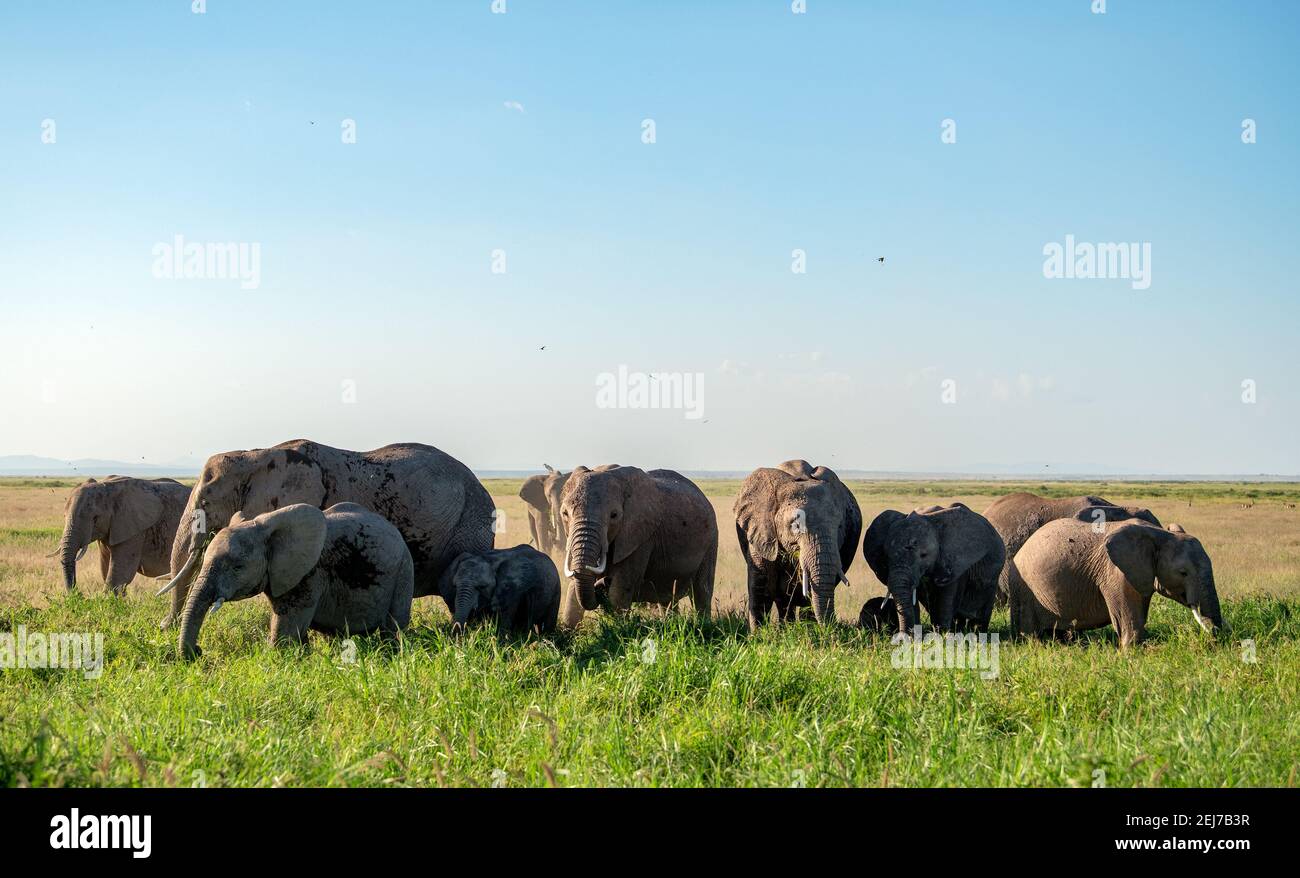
1075, 574
519, 588
879, 614
344, 570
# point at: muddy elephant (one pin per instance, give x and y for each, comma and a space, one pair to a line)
798, 528
518, 589
134, 522
436, 503
541, 494
1076, 574
947, 559
344, 570
1017, 516
650, 536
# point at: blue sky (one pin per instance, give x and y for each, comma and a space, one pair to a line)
774, 131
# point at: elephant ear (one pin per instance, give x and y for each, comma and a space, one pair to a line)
755, 511
1132, 548
852, 529
295, 540
135, 510
533, 492
640, 511
873, 544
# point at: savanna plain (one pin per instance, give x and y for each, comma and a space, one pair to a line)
660, 699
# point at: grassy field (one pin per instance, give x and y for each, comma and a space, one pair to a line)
660, 700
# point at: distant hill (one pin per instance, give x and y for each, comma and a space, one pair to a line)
31, 465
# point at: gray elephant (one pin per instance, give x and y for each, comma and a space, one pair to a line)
651, 536
518, 588
1075, 574
541, 493
948, 560
798, 528
340, 571
438, 505
1017, 516
134, 521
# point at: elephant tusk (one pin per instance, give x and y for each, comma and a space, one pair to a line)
184, 572
601, 568
216, 605
844, 579
803, 578
568, 574
1202, 621
81, 554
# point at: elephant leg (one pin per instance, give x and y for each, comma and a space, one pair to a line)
105, 561
942, 603
532, 529
124, 563
759, 604
626, 579
702, 585
399, 608
292, 614
1127, 608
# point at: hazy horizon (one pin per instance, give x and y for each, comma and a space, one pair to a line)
500, 253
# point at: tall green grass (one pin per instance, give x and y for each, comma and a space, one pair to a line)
648, 700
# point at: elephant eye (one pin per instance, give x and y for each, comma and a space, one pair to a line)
613, 515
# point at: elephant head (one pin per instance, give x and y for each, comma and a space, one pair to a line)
251, 482
904, 553
808, 517
607, 513
1171, 562
468, 584
553, 489
112, 511
271, 553
533, 493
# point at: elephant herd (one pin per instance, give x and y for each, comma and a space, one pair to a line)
342, 541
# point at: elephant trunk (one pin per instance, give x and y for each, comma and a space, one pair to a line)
585, 560
72, 545
903, 590
466, 600
200, 600
1205, 607
823, 572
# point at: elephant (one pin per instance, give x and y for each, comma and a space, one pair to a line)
134, 521
438, 505
879, 614
1076, 574
1016, 517
947, 559
340, 571
649, 535
541, 493
798, 528
519, 588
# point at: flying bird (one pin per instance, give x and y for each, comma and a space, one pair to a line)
880, 259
